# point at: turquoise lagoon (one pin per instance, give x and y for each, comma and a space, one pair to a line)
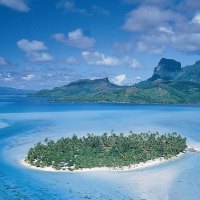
23, 122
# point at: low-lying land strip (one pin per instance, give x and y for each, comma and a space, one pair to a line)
105, 151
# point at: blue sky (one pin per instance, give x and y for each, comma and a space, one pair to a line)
53, 42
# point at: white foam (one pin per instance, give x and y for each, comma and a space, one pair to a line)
3, 125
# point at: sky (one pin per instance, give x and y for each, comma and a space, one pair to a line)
49, 43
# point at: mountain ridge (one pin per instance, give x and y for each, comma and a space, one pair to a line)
171, 70
170, 83
14, 91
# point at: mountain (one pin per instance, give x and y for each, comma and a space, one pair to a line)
81, 90
166, 70
81, 87
190, 73
172, 92
170, 83
13, 91
170, 70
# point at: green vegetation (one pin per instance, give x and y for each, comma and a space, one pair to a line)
109, 150
168, 92
170, 84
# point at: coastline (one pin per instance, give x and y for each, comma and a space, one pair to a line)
121, 103
142, 165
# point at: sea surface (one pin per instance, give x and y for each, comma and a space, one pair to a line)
24, 122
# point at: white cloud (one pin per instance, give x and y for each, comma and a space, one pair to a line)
8, 77
39, 57
152, 44
196, 19
183, 41
188, 42
70, 6
97, 58
123, 47
138, 78
188, 6
119, 79
100, 10
132, 1
15, 4
149, 17
35, 50
155, 27
130, 62
33, 45
161, 3
28, 77
71, 60
76, 39
166, 29
2, 61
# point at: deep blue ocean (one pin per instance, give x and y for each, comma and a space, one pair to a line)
24, 122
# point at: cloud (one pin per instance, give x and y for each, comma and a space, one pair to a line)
97, 58
130, 62
119, 79
162, 3
100, 59
28, 77
70, 6
39, 56
39, 76
18, 5
100, 10
33, 45
166, 29
71, 60
135, 2
149, 17
138, 79
188, 7
188, 42
8, 77
196, 19
76, 39
154, 44
155, 28
2, 61
35, 50
123, 47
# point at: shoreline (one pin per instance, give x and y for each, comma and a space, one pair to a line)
121, 103
142, 165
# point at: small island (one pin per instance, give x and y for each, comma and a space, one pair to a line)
107, 150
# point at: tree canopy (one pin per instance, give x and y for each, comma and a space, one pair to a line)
106, 150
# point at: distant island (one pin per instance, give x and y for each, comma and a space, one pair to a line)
13, 91
169, 84
107, 150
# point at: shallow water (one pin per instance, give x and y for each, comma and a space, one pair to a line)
23, 122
